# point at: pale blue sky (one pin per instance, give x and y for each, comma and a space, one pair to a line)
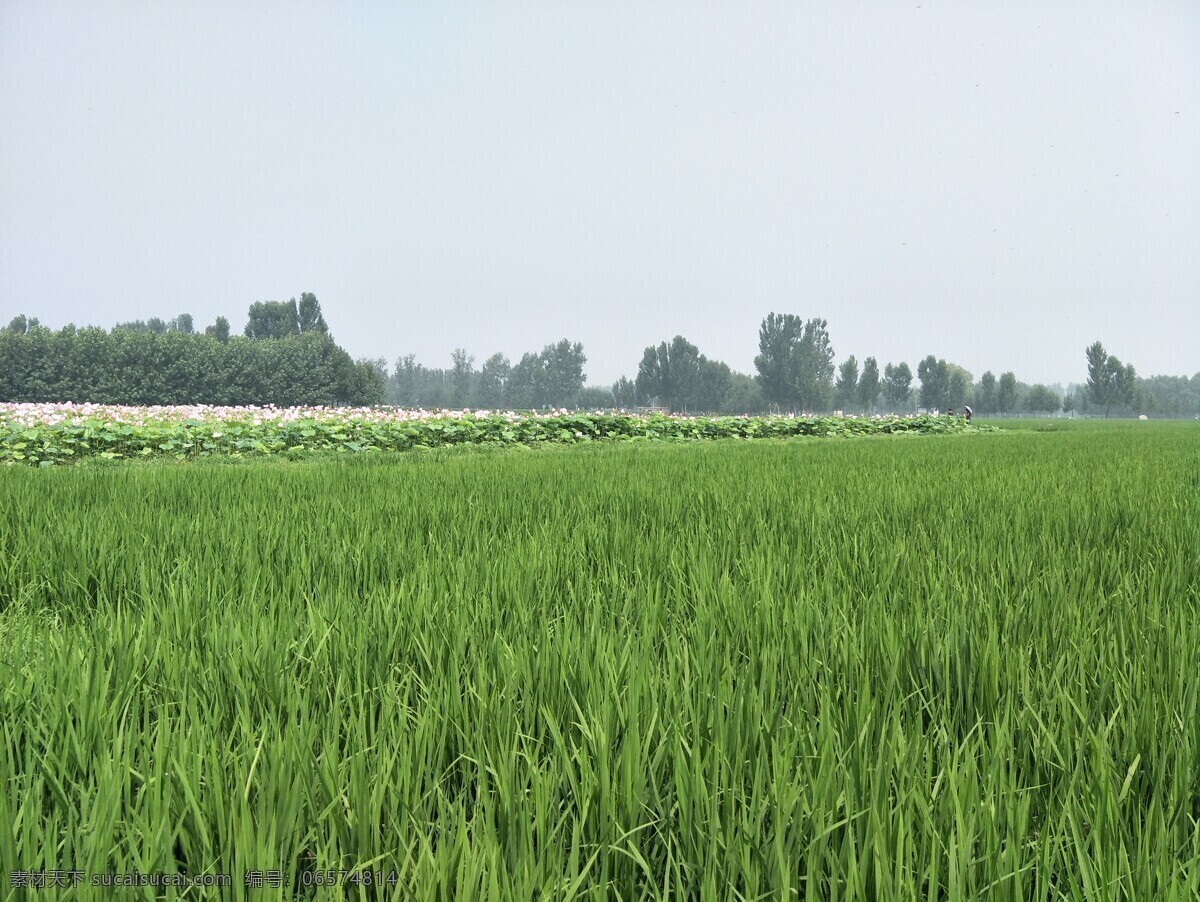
997, 183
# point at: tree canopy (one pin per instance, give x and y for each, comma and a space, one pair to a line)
172, 367
897, 385
795, 362
1109, 381
869, 385
157, 361
285, 319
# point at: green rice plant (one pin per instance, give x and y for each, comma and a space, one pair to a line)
959, 667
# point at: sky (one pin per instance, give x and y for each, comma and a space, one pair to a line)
996, 182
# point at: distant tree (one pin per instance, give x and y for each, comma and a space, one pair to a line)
778, 339
20, 324
593, 397
182, 323
958, 386
671, 373
1006, 393
527, 382
272, 319
308, 314
1068, 403
1098, 385
134, 364
1109, 381
493, 382
897, 385
219, 329
935, 383
405, 381
1174, 396
795, 362
156, 325
869, 385
713, 384
649, 382
371, 379
563, 376
845, 390
816, 366
985, 393
625, 393
463, 377
1042, 399
1125, 382
744, 396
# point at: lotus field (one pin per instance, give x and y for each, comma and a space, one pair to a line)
46, 434
958, 666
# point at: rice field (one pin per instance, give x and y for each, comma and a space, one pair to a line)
894, 667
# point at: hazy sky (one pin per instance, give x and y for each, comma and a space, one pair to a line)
997, 183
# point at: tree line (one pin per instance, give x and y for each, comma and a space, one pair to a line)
285, 357
552, 377
794, 371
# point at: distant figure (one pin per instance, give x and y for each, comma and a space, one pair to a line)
967, 413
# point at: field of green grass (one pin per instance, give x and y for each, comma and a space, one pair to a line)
896, 667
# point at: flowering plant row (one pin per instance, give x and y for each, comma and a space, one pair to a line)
47, 434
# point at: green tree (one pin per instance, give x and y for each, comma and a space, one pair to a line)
649, 382
405, 381
795, 362
371, 379
713, 385
179, 357
463, 378
1042, 399
20, 324
985, 393
219, 329
139, 365
869, 385
272, 319
816, 366
897, 386
593, 397
625, 393
958, 386
1124, 380
1109, 381
527, 383
562, 372
744, 396
845, 390
671, 373
779, 336
1006, 393
1099, 388
935, 383
1174, 396
493, 382
413, 384
308, 314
